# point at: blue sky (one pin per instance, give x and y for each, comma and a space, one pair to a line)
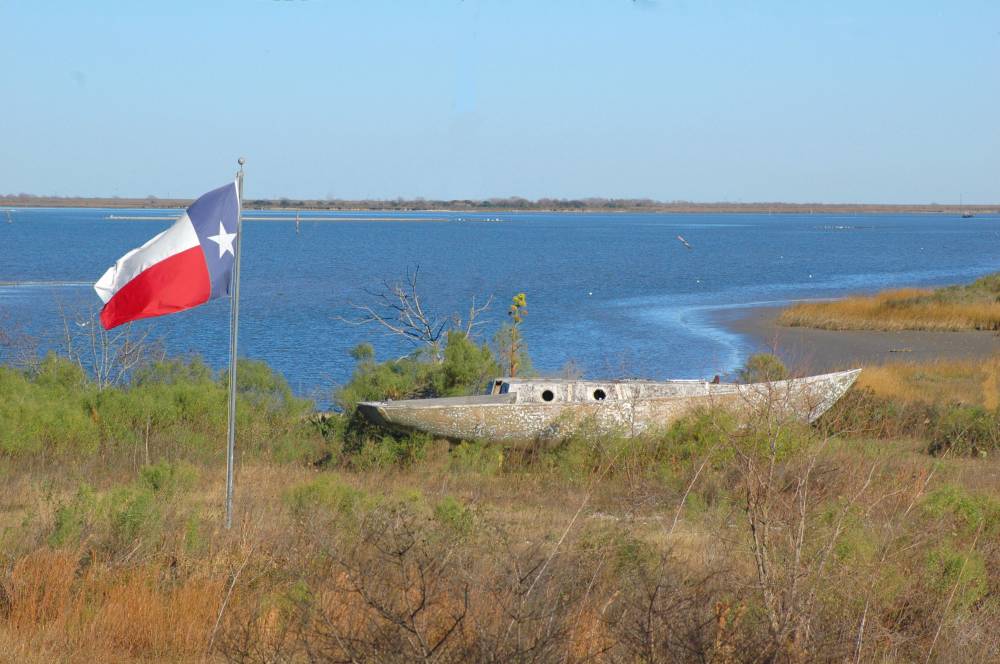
706, 101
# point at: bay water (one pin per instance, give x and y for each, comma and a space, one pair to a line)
611, 294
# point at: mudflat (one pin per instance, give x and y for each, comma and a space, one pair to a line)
810, 349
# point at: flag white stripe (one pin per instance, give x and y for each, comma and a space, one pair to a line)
179, 237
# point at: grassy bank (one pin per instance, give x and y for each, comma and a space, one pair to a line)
975, 306
970, 382
704, 541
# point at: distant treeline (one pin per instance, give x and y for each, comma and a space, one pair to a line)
510, 204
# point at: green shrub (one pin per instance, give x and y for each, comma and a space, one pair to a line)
388, 451
171, 408
118, 518
463, 370
47, 412
395, 379
963, 572
454, 515
959, 429
174, 371
692, 436
195, 534
134, 514
58, 372
763, 367
72, 518
264, 389
574, 457
476, 457
327, 494
969, 512
168, 477
966, 431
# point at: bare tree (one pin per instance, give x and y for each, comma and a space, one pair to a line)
399, 309
791, 545
107, 356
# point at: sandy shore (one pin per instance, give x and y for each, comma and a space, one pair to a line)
808, 349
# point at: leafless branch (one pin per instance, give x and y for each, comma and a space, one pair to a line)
397, 307
108, 356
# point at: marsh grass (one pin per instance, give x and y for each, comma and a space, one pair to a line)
974, 382
974, 306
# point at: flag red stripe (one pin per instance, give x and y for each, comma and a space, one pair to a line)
174, 284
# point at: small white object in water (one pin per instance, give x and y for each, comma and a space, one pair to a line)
810, 276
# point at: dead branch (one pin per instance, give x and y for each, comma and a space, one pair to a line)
399, 309
108, 356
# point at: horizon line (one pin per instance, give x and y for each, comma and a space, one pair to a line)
511, 202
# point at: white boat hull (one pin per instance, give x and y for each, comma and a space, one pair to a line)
627, 407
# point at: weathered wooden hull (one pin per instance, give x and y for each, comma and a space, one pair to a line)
503, 418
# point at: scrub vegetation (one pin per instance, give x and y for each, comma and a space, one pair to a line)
873, 535
974, 306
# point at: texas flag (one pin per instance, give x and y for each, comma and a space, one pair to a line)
186, 265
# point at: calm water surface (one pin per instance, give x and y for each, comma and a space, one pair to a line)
615, 294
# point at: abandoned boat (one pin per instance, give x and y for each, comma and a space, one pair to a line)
538, 409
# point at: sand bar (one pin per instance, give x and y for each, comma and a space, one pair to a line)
809, 349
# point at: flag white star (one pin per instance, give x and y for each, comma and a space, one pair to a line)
224, 240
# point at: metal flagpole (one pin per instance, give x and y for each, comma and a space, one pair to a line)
233, 329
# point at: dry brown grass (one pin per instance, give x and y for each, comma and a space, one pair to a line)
940, 381
903, 309
388, 579
61, 602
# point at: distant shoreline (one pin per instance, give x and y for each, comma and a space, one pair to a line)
506, 205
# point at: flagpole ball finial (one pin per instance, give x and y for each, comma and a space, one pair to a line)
241, 161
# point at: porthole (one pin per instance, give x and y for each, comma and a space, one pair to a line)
547, 395
600, 395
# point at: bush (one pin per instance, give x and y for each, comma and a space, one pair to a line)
395, 379
966, 431
117, 518
963, 572
762, 368
264, 389
966, 512
326, 493
387, 451
47, 411
134, 514
466, 367
861, 412
693, 435
476, 457
166, 477
172, 408
72, 518
463, 370
455, 516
